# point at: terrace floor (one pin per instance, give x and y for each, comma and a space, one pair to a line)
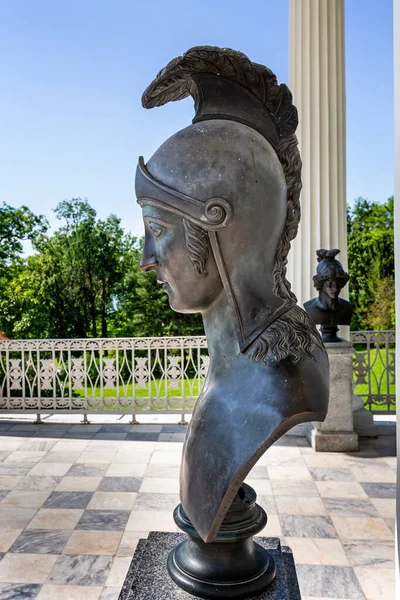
75, 499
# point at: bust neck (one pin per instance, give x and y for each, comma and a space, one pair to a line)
222, 338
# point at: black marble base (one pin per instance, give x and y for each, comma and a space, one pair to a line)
147, 576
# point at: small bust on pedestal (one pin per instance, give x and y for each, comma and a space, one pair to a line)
328, 310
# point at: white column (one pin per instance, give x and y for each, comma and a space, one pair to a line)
317, 81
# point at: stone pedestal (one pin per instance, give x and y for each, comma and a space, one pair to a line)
147, 577
363, 419
336, 433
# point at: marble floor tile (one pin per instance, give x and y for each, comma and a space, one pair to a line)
391, 523
142, 437
391, 461
338, 582
114, 501
325, 460
110, 593
259, 472
7, 538
178, 438
8, 482
283, 460
374, 474
311, 527
290, 473
139, 458
115, 428
62, 457
25, 499
350, 507
167, 447
273, 527
156, 501
96, 458
17, 517
3, 494
151, 520
38, 445
147, 447
306, 489
55, 518
41, 541
385, 507
361, 528
339, 489
160, 485
128, 543
104, 446
118, 571
268, 504
93, 542
78, 484
11, 443
70, 446
294, 505
153, 428
262, 487
37, 483
363, 553
9, 591
380, 490
69, 592
162, 471
86, 428
317, 551
84, 570
15, 468
103, 520
4, 454
43, 469
326, 474
377, 584
126, 470
68, 500
110, 436
94, 470
26, 568
27, 457
120, 484
166, 458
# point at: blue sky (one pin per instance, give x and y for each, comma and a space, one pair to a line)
71, 121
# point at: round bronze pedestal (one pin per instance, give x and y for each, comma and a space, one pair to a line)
233, 565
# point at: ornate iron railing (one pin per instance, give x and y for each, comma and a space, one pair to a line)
149, 375
133, 375
374, 369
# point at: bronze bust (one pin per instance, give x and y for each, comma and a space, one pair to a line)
220, 203
328, 310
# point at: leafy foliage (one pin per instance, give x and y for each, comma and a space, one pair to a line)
370, 228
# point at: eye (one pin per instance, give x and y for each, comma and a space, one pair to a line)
156, 229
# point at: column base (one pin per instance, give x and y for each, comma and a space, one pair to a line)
334, 441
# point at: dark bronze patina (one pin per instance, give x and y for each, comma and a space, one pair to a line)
220, 203
328, 310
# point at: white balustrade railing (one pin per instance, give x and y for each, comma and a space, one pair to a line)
132, 375
149, 375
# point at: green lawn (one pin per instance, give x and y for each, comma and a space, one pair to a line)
377, 380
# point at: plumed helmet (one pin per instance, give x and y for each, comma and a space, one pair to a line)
234, 173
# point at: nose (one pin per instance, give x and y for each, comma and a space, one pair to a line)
148, 262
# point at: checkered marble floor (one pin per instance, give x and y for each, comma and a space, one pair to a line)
75, 499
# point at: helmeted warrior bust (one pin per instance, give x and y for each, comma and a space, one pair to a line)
220, 203
328, 309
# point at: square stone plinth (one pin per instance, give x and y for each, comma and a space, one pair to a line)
147, 576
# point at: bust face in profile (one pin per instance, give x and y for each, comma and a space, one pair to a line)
220, 202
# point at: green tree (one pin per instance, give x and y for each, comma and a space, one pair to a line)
370, 227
